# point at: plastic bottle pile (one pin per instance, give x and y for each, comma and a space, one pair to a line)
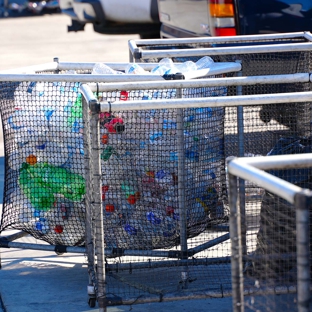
45, 163
140, 165
140, 159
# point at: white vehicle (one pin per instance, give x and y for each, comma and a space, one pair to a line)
114, 16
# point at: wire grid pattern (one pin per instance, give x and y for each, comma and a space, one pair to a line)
44, 161
272, 267
123, 133
264, 126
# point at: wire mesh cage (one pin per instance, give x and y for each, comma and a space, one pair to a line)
153, 159
194, 258
45, 158
271, 54
280, 263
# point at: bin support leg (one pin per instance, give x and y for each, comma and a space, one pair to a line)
241, 153
98, 211
181, 192
88, 201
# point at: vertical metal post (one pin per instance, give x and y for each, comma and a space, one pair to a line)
236, 244
302, 205
97, 207
89, 235
181, 186
241, 153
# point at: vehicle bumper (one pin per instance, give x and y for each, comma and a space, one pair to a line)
83, 11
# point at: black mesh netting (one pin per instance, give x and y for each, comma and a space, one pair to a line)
141, 153
45, 177
141, 175
44, 162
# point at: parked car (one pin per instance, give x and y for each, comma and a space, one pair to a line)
189, 18
25, 7
114, 16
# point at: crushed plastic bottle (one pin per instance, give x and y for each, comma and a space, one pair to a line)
136, 69
163, 67
103, 69
186, 67
204, 62
41, 181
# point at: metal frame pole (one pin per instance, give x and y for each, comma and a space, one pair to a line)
236, 246
181, 186
97, 207
303, 202
241, 153
89, 235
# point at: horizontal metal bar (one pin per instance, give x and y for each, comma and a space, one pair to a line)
215, 69
222, 101
32, 69
278, 161
265, 180
14, 236
268, 48
167, 263
210, 244
202, 83
145, 42
41, 247
137, 253
90, 65
78, 78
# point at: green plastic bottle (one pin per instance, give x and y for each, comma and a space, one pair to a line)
41, 181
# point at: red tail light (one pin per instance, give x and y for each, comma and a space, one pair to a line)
222, 13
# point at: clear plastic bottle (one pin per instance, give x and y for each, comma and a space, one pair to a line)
186, 67
163, 66
103, 69
204, 62
135, 69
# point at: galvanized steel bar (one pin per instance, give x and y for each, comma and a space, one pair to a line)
133, 44
201, 83
78, 78
89, 232
90, 65
98, 211
166, 263
303, 206
14, 236
31, 246
282, 188
279, 161
181, 189
265, 48
236, 246
209, 244
241, 153
227, 101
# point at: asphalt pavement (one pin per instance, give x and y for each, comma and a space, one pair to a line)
41, 281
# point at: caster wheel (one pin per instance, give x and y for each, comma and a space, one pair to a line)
92, 302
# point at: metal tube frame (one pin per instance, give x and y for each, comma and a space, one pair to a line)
135, 105
138, 53
252, 169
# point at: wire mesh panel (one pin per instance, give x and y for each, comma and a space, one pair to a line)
140, 165
139, 214
260, 55
280, 262
44, 176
